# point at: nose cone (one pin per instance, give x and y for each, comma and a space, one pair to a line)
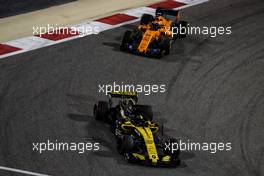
154, 160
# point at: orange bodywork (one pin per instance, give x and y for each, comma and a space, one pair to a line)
150, 33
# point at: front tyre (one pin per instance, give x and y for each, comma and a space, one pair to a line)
101, 110
166, 46
125, 40
129, 157
126, 147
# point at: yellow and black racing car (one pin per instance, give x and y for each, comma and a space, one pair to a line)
154, 36
138, 138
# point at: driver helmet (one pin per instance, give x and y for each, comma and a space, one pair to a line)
129, 105
160, 19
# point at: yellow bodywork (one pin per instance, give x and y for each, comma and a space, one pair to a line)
166, 159
124, 93
147, 134
141, 157
149, 142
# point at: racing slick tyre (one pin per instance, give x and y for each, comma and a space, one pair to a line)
145, 111
183, 29
166, 46
137, 35
119, 145
127, 143
101, 110
146, 19
126, 40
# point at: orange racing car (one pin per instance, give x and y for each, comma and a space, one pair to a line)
154, 36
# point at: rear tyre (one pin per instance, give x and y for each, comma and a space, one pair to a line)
101, 110
126, 40
158, 11
146, 19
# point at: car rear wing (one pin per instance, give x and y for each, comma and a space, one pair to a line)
162, 12
124, 95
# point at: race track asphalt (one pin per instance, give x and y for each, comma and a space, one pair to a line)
215, 93
16, 7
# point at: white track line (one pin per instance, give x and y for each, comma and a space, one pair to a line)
21, 171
